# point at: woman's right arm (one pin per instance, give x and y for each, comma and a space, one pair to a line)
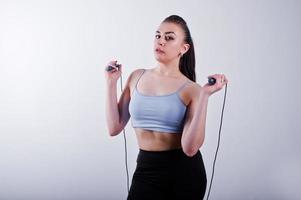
117, 114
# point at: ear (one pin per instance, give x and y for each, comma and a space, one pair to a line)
185, 48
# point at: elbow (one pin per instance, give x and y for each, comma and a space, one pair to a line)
114, 129
191, 149
190, 152
113, 132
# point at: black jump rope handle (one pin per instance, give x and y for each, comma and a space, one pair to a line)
211, 80
110, 67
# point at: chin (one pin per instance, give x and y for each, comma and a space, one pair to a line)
160, 58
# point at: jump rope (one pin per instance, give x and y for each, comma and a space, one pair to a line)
211, 81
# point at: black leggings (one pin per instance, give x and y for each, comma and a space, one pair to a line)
168, 175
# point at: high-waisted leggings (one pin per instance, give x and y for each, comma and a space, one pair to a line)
168, 175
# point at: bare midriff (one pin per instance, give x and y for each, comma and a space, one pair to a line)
157, 141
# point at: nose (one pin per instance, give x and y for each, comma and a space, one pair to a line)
161, 42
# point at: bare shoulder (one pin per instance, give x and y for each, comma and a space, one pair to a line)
191, 92
193, 88
136, 73
133, 77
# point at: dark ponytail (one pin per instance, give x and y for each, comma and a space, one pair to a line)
187, 61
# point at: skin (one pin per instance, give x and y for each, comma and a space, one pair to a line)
162, 79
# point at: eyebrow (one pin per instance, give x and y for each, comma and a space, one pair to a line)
167, 32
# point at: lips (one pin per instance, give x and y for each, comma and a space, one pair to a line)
159, 50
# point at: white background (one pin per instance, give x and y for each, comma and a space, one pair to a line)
53, 137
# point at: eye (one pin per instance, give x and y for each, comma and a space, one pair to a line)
168, 38
157, 36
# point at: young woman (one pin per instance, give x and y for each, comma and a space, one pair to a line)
168, 113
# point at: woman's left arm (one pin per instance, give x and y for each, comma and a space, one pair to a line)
194, 127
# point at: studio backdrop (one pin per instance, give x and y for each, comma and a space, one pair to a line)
54, 143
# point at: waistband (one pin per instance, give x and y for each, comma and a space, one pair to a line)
164, 157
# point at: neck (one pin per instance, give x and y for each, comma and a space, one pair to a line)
168, 69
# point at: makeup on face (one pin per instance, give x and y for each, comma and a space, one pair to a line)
169, 35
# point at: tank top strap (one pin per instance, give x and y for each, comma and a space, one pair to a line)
140, 77
182, 86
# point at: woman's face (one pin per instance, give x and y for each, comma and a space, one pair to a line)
169, 42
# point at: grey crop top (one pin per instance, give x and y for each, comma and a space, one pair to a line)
163, 113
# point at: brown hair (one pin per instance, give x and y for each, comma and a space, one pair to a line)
187, 61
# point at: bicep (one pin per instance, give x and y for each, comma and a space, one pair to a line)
124, 100
123, 105
191, 108
188, 117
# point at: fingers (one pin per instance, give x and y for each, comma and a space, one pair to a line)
224, 80
220, 78
112, 66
